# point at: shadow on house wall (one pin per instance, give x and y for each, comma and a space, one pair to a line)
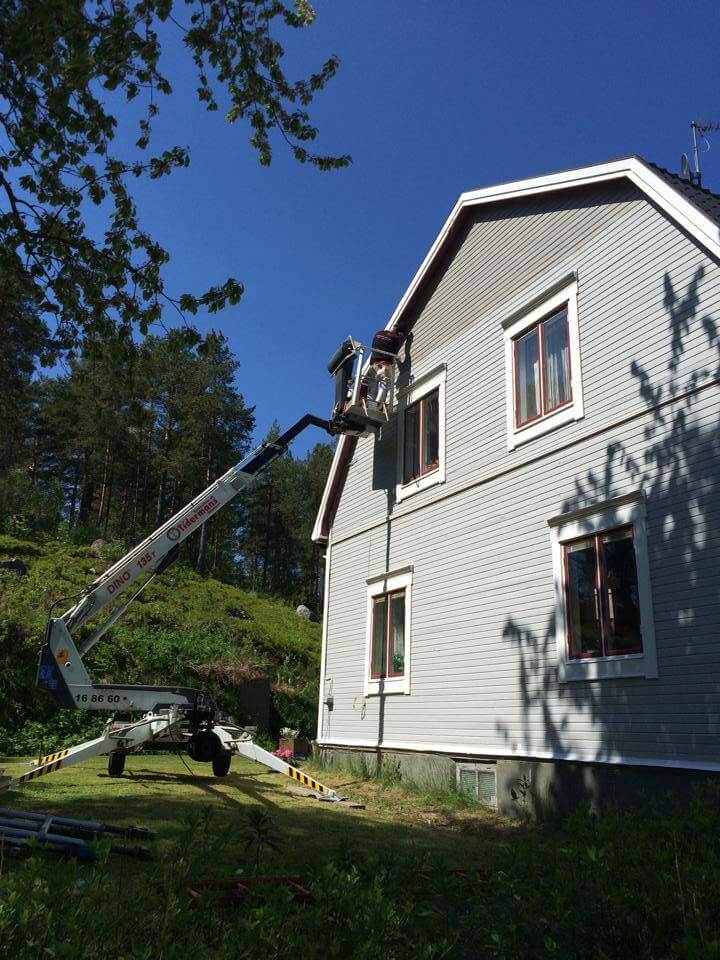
679, 471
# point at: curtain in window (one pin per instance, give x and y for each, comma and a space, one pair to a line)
411, 453
379, 633
528, 376
397, 634
431, 429
621, 589
556, 351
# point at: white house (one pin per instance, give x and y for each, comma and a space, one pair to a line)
523, 565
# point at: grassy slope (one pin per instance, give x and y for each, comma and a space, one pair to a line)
183, 629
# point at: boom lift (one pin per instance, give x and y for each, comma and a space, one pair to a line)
182, 717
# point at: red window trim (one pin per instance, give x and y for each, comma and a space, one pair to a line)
388, 597
540, 326
423, 471
600, 577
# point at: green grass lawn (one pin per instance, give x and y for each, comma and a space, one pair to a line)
160, 792
642, 884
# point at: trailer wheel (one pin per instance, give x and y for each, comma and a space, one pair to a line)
116, 764
221, 764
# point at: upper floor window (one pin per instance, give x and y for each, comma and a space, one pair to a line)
542, 354
421, 453
421, 448
603, 612
542, 369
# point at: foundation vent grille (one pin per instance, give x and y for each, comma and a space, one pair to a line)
478, 781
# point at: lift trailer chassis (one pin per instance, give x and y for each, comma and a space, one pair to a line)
164, 729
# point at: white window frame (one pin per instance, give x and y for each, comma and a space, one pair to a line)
387, 583
421, 387
514, 326
618, 512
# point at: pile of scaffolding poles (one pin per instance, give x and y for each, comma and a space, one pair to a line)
21, 831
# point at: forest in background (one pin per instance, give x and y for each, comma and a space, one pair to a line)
118, 439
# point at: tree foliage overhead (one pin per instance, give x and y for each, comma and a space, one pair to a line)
64, 66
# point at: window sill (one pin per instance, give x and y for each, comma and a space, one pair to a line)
520, 435
430, 479
608, 668
395, 685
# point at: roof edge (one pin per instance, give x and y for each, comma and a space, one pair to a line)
638, 171
634, 168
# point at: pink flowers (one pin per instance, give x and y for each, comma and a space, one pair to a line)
286, 755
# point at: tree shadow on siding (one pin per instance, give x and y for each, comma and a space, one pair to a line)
677, 465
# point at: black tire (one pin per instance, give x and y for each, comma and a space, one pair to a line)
221, 764
116, 764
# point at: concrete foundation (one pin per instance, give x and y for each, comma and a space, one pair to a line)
538, 789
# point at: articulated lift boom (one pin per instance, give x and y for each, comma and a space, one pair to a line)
179, 716
61, 671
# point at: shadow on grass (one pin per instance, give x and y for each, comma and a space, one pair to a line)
313, 833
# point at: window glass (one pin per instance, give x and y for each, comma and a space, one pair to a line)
585, 635
603, 601
556, 360
411, 453
379, 634
421, 452
621, 593
528, 376
431, 431
397, 634
387, 656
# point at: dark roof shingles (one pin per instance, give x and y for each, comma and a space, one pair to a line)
705, 200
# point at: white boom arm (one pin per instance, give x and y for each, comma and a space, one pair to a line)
150, 555
61, 671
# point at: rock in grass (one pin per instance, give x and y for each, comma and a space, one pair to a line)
96, 547
304, 612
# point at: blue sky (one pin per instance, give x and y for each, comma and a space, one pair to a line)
431, 99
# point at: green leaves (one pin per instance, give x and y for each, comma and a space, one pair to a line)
59, 58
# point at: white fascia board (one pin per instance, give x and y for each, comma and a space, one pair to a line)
679, 208
323, 647
317, 535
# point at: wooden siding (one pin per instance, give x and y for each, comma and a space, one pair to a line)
483, 654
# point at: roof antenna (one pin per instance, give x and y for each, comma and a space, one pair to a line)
697, 127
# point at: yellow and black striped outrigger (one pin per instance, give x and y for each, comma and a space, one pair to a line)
45, 765
134, 735
51, 756
307, 781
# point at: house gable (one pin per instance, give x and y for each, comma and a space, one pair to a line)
563, 195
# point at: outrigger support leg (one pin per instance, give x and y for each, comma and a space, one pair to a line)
163, 727
130, 737
249, 749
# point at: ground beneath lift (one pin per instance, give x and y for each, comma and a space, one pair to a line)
165, 728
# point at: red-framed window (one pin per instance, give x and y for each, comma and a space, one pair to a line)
602, 599
543, 378
421, 453
387, 650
